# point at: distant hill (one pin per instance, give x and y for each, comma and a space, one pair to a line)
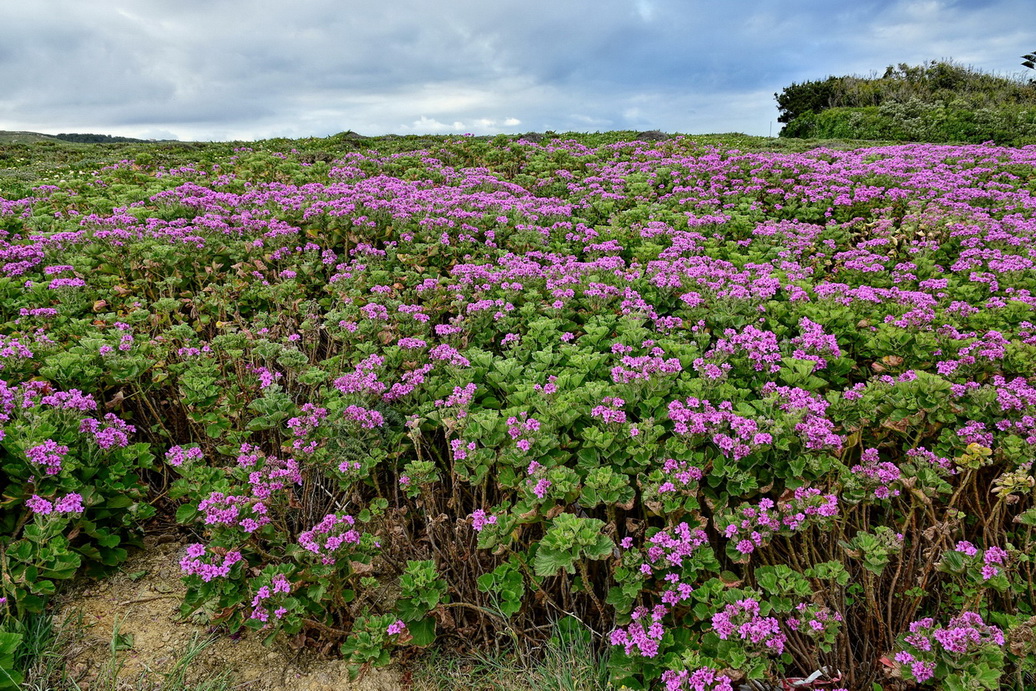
99, 139
8, 137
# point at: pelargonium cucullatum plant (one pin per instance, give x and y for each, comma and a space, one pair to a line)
745, 415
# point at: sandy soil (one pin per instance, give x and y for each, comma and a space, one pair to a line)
144, 596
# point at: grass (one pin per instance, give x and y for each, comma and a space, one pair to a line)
177, 678
565, 662
47, 652
39, 657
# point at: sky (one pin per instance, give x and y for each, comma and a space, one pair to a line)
256, 69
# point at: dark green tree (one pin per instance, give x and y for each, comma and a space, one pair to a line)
807, 97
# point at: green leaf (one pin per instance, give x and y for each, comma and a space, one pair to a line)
1027, 517
548, 562
32, 603
119, 501
186, 513
10, 678
316, 591
422, 632
122, 641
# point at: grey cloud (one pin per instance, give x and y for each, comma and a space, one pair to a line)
231, 68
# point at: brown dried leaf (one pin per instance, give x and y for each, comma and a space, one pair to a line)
360, 568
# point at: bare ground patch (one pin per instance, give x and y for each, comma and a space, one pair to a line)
138, 609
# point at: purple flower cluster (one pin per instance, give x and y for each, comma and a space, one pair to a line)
644, 634
642, 367
881, 477
460, 448
678, 475
11, 348
480, 519
279, 585
989, 561
248, 513
460, 399
610, 410
49, 455
329, 535
991, 347
760, 349
929, 457
408, 382
364, 378
208, 564
522, 430
962, 638
814, 428
68, 504
368, 419
735, 435
73, 399
177, 455
975, 432
274, 475
815, 621
753, 526
549, 388
742, 620
537, 479
701, 679
815, 344
448, 354
66, 283
267, 377
670, 546
411, 343
307, 423
114, 432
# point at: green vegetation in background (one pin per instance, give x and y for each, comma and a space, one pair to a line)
28, 159
932, 102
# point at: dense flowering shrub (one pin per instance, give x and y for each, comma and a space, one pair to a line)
746, 415
966, 652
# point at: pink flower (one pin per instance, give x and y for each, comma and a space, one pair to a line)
39, 505
479, 520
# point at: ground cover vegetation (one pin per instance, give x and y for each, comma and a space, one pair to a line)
720, 414
938, 101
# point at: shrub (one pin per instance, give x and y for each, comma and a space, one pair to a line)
932, 102
743, 415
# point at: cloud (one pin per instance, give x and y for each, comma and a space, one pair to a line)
258, 68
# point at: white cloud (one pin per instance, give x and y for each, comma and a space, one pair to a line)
645, 10
158, 134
